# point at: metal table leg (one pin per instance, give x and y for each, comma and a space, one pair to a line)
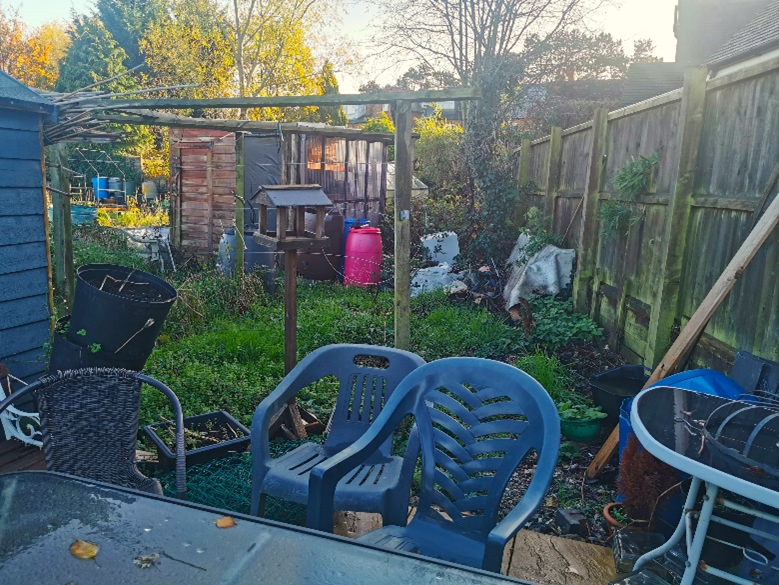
694, 551
678, 533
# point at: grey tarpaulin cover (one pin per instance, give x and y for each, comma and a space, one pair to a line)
546, 273
262, 166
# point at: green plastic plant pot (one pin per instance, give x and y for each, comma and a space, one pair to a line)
581, 431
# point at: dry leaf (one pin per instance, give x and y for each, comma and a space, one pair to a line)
81, 549
144, 562
225, 522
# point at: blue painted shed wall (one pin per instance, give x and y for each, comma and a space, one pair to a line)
24, 286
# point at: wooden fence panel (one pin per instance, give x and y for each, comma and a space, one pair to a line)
576, 154
538, 155
739, 147
737, 152
644, 133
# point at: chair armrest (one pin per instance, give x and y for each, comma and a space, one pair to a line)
14, 396
530, 502
325, 476
411, 453
297, 379
178, 414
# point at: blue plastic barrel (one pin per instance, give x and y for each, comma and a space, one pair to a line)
100, 185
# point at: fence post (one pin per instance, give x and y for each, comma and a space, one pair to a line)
64, 274
553, 166
665, 305
583, 294
523, 177
240, 203
404, 161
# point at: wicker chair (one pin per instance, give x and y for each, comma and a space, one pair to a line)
89, 423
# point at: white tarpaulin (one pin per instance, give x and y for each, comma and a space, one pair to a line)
546, 273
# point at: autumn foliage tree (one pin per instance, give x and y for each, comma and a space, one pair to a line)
29, 56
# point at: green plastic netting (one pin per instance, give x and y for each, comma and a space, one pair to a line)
227, 483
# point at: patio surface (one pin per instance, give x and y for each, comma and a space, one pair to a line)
16, 456
549, 560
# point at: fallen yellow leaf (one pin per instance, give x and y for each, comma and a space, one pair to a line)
225, 522
81, 549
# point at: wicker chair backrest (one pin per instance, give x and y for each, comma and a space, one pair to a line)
89, 422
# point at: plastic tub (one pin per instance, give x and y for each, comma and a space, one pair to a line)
581, 431
610, 388
201, 422
118, 323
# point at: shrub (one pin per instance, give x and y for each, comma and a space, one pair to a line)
557, 324
134, 217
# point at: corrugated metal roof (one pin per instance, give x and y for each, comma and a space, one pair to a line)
14, 94
647, 80
759, 36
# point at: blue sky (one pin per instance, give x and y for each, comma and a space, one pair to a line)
632, 19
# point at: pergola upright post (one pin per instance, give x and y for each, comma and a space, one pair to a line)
404, 168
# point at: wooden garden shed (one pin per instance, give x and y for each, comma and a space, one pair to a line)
349, 165
24, 259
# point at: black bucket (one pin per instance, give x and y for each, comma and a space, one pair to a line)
66, 355
610, 388
103, 315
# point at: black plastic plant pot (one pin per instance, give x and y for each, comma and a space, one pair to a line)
610, 388
210, 423
119, 308
66, 355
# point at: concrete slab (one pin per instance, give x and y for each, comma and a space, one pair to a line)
552, 560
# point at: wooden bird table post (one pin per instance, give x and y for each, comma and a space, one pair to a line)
290, 236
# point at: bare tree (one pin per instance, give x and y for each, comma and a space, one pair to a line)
469, 36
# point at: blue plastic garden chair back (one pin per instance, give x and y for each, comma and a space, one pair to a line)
367, 376
477, 420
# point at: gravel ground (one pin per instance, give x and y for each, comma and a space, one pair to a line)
570, 489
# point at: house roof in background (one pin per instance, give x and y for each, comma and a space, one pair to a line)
647, 80
579, 90
703, 26
759, 36
18, 96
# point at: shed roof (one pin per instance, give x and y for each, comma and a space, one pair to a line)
293, 195
759, 36
18, 96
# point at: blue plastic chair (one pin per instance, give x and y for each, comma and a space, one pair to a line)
476, 419
367, 375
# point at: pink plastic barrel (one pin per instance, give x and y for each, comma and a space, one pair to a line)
362, 264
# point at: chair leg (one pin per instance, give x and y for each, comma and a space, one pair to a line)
258, 506
395, 512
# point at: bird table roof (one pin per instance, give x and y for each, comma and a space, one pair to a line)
293, 196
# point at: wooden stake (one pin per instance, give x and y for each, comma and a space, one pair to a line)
290, 308
404, 161
63, 230
689, 335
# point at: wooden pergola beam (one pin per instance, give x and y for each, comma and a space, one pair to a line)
149, 118
355, 99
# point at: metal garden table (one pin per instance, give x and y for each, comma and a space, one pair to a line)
43, 513
664, 420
